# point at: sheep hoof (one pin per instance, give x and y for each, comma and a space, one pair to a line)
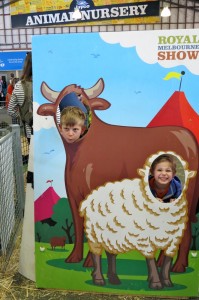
156, 285
113, 279
98, 281
167, 283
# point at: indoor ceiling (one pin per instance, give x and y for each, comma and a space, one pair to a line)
184, 15
188, 4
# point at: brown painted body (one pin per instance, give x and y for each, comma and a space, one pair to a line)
110, 153
57, 241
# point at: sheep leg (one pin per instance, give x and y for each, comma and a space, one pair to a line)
97, 276
165, 271
112, 275
153, 275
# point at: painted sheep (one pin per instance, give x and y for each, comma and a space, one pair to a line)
124, 215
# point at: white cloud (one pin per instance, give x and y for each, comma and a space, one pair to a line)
146, 43
40, 122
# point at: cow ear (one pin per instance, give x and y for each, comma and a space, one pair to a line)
46, 110
99, 104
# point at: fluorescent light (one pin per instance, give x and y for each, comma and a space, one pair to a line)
165, 12
77, 14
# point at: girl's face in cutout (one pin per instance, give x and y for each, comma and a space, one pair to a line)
163, 173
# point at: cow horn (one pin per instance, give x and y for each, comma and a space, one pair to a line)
48, 93
95, 90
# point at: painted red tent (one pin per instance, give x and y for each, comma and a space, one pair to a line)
177, 111
44, 204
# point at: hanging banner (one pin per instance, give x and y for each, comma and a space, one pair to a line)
12, 60
116, 194
48, 13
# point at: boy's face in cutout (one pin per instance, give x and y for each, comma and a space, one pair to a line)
163, 173
71, 133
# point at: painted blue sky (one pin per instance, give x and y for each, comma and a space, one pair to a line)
133, 79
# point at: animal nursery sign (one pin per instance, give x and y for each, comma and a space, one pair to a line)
48, 13
117, 163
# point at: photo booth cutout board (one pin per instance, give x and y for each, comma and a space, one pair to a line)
127, 130
27, 249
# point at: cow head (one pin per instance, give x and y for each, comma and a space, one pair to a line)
87, 96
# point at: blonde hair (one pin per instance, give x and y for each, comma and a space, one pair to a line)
72, 115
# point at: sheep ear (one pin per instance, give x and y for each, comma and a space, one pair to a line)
191, 174
141, 172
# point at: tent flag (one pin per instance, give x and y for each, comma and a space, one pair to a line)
173, 75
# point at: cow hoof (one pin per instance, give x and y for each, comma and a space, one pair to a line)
167, 283
98, 279
156, 285
177, 268
88, 263
114, 279
69, 261
73, 259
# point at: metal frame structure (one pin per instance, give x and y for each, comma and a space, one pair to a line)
12, 195
184, 15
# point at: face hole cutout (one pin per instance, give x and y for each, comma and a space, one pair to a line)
73, 116
166, 177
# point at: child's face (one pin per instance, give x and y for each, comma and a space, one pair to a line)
71, 133
163, 173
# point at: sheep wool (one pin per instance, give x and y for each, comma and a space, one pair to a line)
124, 215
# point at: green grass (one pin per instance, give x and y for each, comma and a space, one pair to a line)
53, 272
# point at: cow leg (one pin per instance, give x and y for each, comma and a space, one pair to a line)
77, 252
112, 275
153, 275
182, 259
160, 259
88, 263
97, 276
165, 271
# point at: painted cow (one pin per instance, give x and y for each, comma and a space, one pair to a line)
57, 241
108, 153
